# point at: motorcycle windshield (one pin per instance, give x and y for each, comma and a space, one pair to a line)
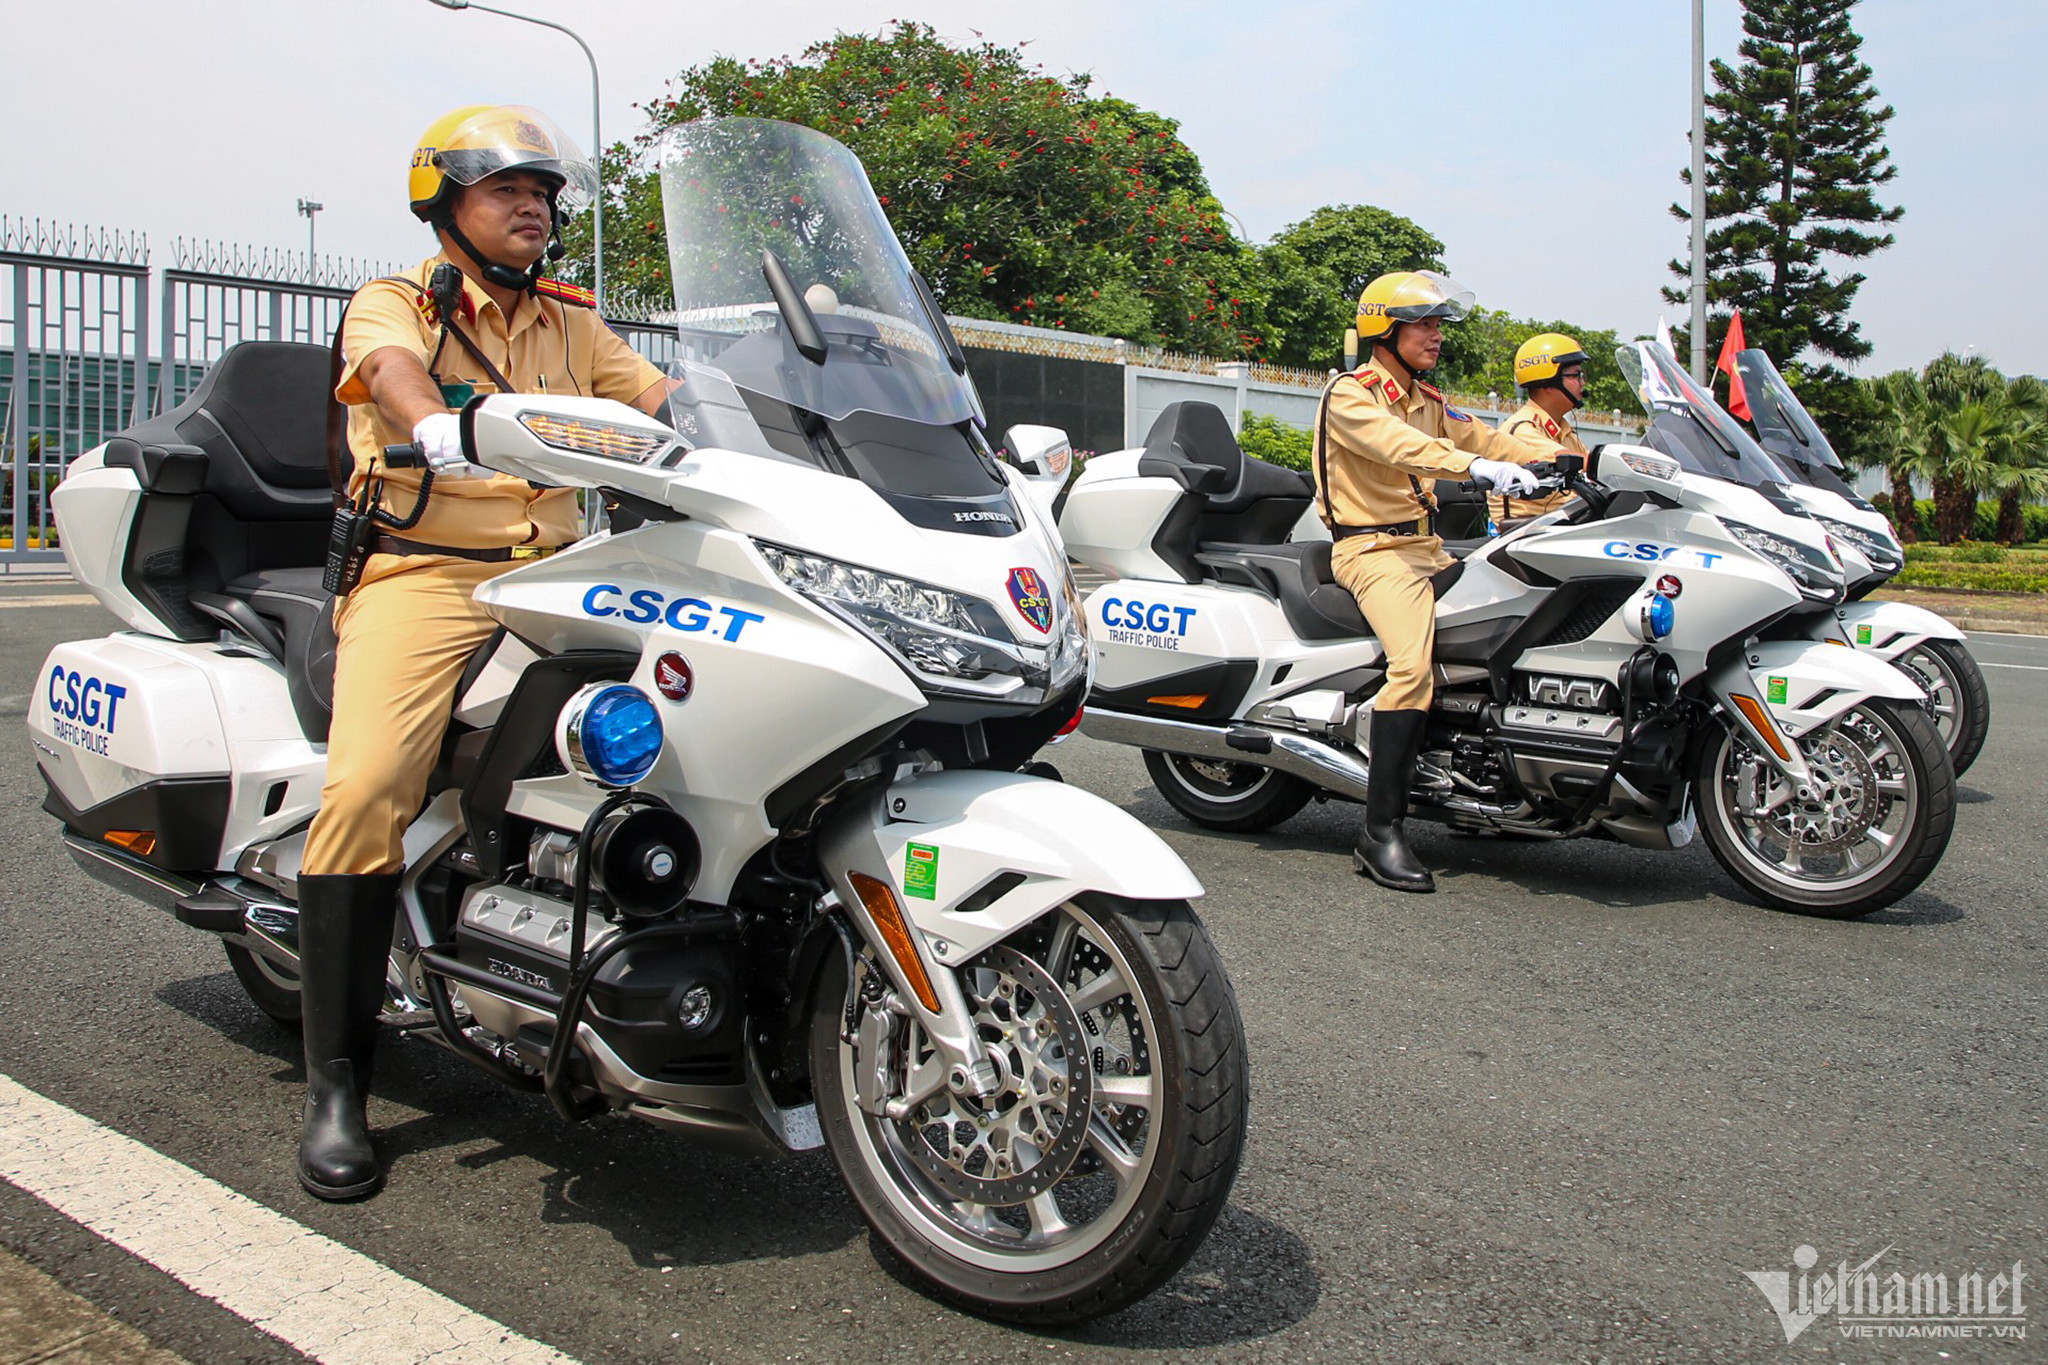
1781, 419
1688, 425
735, 189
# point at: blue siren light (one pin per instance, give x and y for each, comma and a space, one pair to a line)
610, 734
1659, 615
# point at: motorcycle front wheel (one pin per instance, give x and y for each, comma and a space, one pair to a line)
1107, 1151
1868, 828
1957, 696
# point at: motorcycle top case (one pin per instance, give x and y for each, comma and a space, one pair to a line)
131, 732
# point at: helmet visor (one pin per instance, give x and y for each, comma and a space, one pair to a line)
515, 137
1427, 294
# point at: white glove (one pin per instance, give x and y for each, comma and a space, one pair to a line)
439, 436
1503, 477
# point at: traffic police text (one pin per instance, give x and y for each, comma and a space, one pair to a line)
82, 709
1155, 625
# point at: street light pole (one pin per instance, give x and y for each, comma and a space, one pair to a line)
596, 137
308, 207
1699, 191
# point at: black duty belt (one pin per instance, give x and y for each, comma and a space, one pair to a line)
394, 545
1392, 528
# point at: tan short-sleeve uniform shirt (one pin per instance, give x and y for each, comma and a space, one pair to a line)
551, 343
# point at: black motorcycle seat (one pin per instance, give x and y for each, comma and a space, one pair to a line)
1297, 575
302, 610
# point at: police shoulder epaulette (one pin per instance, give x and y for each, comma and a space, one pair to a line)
1369, 380
567, 293
1431, 390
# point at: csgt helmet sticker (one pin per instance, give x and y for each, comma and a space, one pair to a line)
1027, 590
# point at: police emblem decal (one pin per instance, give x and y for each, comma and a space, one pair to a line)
1027, 590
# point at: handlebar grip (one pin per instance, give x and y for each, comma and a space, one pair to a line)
406, 455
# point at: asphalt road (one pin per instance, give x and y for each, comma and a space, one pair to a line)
1552, 1113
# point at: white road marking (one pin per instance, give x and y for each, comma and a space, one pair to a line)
69, 599
317, 1296
2031, 668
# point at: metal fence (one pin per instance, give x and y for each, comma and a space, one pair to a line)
83, 355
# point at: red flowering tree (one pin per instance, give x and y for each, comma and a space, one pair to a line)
1019, 196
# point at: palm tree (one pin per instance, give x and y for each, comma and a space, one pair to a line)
2021, 456
1904, 400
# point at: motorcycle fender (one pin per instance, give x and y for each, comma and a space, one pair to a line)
1032, 842
1889, 629
1797, 686
970, 857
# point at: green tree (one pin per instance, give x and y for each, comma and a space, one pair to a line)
2021, 456
1795, 153
1969, 432
1479, 357
1314, 270
1018, 196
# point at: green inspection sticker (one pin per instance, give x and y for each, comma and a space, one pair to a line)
1775, 691
921, 871
1863, 635
457, 393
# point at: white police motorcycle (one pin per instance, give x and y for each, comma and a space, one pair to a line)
728, 834
1630, 667
1920, 643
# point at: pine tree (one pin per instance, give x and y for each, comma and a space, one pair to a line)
1795, 153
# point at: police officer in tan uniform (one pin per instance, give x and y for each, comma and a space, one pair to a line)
1380, 432
1550, 370
491, 181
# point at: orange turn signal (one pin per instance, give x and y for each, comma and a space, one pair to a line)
1185, 701
888, 917
1760, 721
138, 841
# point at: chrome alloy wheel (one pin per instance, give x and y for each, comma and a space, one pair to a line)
1043, 1170
1843, 826
1937, 678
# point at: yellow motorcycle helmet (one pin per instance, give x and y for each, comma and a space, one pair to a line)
1541, 357
1409, 296
479, 140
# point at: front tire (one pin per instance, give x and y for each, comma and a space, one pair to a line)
1869, 829
1216, 793
1957, 696
1013, 1206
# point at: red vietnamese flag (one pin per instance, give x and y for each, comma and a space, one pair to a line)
1738, 401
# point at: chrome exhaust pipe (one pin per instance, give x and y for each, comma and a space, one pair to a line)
1311, 760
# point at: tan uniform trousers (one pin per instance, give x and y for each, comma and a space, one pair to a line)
1390, 578
404, 636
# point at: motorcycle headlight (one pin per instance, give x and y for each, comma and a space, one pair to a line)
950, 641
1816, 575
1883, 552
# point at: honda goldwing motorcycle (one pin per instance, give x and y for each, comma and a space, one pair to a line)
1918, 642
727, 835
1629, 667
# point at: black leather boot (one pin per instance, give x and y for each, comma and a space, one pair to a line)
344, 941
1383, 853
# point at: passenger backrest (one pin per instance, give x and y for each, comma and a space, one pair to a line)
259, 418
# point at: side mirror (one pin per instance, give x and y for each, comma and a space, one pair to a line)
1042, 452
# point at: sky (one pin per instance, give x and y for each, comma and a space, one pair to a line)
1541, 143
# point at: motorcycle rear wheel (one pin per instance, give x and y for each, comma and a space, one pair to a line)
274, 989
1219, 794
1869, 829
1139, 985
1956, 694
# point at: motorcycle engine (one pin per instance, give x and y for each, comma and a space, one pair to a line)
670, 1009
